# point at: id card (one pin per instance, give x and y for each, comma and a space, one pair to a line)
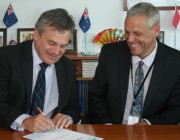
132, 120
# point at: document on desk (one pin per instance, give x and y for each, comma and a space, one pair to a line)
61, 134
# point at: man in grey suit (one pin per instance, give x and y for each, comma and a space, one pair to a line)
112, 96
20, 65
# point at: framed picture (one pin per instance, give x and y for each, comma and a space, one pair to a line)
160, 4
161, 36
3, 36
24, 34
72, 47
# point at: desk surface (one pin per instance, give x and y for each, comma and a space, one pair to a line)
112, 132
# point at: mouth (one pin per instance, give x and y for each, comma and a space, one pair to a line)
52, 57
134, 45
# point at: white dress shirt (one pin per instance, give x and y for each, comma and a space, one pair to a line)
147, 64
51, 95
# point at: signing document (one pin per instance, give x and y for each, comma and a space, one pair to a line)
60, 134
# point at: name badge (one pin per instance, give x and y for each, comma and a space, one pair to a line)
132, 120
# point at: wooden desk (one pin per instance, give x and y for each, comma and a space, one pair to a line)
112, 132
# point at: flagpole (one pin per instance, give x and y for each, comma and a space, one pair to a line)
175, 32
11, 32
83, 45
84, 24
85, 41
175, 38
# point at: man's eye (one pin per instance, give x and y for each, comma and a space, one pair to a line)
137, 34
51, 43
63, 46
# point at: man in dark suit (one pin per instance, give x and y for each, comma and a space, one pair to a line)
20, 65
112, 98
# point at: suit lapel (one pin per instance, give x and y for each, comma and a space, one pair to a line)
60, 71
155, 80
27, 67
125, 63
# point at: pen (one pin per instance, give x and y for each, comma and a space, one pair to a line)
40, 111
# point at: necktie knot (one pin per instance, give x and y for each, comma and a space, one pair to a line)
43, 66
141, 63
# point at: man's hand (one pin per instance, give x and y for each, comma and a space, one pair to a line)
37, 123
62, 120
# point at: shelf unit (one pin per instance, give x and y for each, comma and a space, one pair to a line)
83, 83
77, 59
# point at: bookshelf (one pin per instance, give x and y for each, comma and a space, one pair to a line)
77, 58
83, 83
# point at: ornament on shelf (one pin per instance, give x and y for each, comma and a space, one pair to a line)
109, 36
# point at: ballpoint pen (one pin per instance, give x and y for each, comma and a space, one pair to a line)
40, 111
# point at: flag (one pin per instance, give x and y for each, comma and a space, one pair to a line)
84, 22
176, 17
10, 17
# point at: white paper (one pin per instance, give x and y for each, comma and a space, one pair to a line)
132, 120
60, 134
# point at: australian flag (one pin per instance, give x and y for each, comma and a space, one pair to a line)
10, 17
84, 22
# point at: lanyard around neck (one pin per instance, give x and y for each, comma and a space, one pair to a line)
140, 87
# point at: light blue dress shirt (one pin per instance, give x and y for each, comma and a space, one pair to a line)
51, 95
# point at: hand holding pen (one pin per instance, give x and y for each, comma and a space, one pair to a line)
37, 123
59, 120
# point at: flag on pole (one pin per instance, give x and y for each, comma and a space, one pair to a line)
10, 17
176, 17
84, 22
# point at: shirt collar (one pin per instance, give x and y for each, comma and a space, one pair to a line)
147, 60
36, 59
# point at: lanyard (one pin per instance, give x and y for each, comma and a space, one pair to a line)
135, 95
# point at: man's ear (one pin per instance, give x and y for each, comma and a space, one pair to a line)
36, 34
157, 30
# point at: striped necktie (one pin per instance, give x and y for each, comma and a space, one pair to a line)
38, 95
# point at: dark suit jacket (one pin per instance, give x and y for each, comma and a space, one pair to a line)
16, 72
109, 87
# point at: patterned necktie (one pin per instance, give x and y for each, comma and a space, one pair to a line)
37, 99
137, 105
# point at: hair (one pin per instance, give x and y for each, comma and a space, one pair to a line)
148, 10
57, 18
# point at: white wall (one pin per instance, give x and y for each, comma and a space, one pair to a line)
103, 14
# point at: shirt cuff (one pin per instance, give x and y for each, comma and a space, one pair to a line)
16, 125
148, 122
108, 124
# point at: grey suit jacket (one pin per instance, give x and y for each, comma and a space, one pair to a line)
109, 87
16, 71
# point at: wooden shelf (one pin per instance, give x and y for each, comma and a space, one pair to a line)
83, 78
78, 56
77, 59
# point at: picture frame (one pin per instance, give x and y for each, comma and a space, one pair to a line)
72, 46
161, 37
24, 34
160, 4
3, 36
